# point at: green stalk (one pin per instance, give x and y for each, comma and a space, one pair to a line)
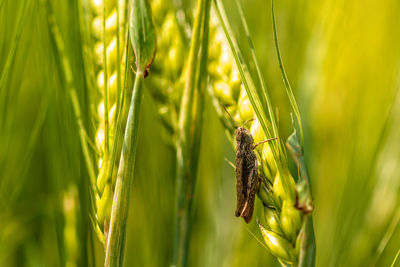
259, 98
121, 118
10, 57
258, 70
306, 239
307, 250
144, 45
202, 78
189, 140
395, 258
66, 67
119, 214
288, 88
122, 115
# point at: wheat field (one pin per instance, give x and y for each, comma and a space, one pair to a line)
125, 156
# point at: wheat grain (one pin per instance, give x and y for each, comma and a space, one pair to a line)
277, 190
108, 31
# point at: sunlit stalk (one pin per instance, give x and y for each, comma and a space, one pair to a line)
187, 143
119, 214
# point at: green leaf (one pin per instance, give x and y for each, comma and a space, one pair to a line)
288, 88
144, 45
119, 213
143, 37
258, 97
307, 250
189, 133
304, 199
303, 203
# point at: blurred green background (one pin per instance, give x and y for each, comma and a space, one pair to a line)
343, 60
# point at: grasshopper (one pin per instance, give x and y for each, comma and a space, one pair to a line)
247, 179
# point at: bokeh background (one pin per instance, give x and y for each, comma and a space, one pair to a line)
343, 60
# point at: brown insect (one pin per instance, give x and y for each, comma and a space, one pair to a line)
247, 179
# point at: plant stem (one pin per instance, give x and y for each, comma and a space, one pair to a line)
288, 88
259, 98
307, 250
189, 141
67, 71
122, 115
119, 214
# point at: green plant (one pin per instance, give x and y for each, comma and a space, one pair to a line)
343, 64
108, 24
289, 233
118, 128
143, 41
180, 97
190, 128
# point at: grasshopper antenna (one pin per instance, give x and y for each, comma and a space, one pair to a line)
246, 122
230, 115
262, 142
